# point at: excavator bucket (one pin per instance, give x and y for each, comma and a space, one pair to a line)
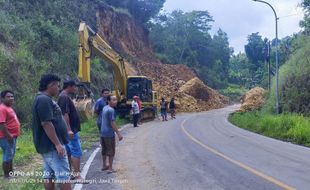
84, 108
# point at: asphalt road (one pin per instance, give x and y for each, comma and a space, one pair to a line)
203, 151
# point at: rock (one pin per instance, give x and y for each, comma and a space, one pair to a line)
180, 82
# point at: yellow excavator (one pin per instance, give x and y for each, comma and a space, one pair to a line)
125, 86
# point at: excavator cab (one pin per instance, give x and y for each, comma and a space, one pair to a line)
139, 86
142, 86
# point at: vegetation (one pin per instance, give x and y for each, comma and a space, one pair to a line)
294, 81
306, 22
142, 11
38, 37
288, 127
184, 38
250, 69
234, 92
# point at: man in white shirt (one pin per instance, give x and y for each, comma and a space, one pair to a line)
135, 111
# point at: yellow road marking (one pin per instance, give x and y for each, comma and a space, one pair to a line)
248, 168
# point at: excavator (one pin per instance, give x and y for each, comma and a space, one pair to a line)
125, 86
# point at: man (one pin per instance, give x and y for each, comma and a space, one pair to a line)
163, 109
135, 111
139, 101
100, 103
107, 133
172, 108
72, 120
50, 134
9, 131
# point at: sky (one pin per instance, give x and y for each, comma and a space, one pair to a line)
240, 18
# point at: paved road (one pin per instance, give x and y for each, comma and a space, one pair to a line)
204, 151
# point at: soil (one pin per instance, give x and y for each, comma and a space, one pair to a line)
253, 99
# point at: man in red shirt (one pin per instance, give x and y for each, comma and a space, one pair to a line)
140, 109
9, 131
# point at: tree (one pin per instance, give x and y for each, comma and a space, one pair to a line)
239, 72
254, 50
184, 38
306, 22
142, 10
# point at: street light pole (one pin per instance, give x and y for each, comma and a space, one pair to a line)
277, 59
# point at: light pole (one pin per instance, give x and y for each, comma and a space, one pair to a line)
277, 59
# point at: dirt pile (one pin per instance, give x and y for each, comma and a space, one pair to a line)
179, 81
253, 99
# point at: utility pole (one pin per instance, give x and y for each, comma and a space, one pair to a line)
277, 58
269, 64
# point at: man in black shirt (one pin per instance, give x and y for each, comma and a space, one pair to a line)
50, 134
72, 119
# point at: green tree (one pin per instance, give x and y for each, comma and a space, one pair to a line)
254, 50
306, 22
239, 72
184, 38
142, 10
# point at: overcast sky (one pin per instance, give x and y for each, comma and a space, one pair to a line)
239, 18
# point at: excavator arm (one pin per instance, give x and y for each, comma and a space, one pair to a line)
90, 42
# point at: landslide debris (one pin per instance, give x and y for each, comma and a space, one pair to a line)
179, 81
128, 38
253, 99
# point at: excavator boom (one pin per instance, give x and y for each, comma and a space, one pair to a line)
90, 42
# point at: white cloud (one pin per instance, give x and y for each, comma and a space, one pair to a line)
239, 18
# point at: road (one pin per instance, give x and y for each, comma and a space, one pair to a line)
204, 151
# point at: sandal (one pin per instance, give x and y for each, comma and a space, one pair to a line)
104, 169
111, 171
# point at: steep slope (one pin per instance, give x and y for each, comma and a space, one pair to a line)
130, 39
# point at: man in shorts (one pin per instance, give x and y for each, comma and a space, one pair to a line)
73, 148
50, 134
107, 133
100, 103
9, 131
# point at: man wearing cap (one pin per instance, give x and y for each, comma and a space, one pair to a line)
72, 120
135, 111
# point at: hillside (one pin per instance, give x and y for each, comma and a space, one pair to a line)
130, 39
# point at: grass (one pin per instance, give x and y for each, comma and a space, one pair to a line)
234, 92
27, 159
287, 127
89, 133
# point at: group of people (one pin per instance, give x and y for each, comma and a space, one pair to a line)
165, 107
56, 126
